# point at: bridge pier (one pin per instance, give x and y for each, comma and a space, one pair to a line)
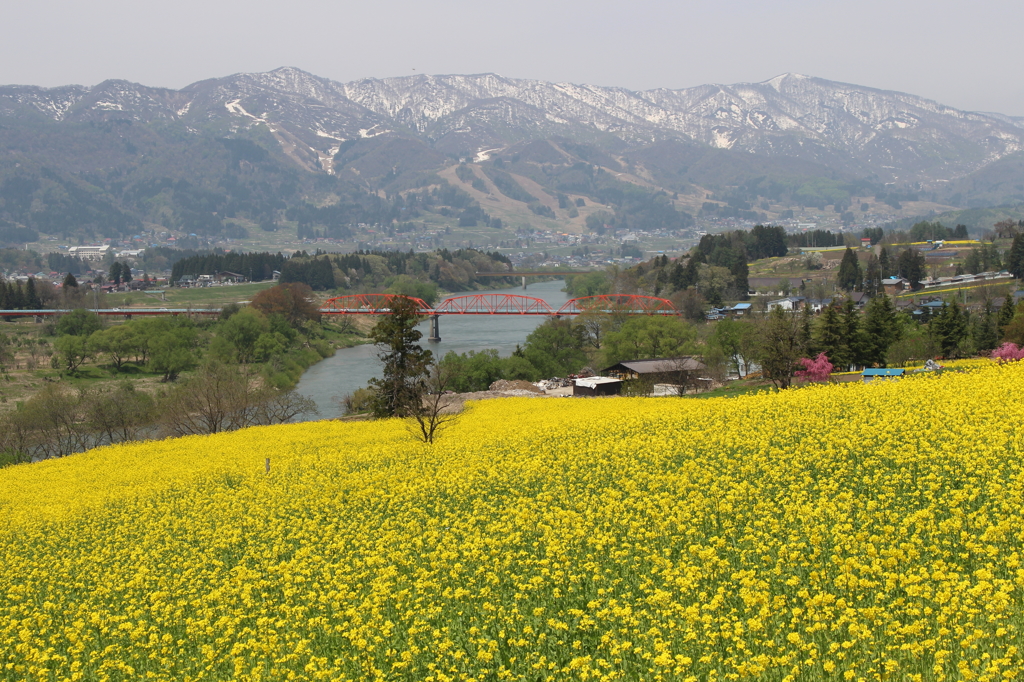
524, 281
435, 328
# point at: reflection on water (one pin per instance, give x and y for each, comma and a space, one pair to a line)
351, 368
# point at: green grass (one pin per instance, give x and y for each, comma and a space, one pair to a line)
735, 388
175, 297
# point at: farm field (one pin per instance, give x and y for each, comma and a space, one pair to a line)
847, 532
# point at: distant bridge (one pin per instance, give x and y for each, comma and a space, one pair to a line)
499, 304
113, 312
534, 273
381, 304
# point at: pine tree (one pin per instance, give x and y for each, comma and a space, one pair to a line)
676, 278
17, 297
691, 273
740, 273
1006, 313
983, 330
399, 392
881, 330
972, 263
830, 336
807, 331
873, 277
911, 265
949, 328
849, 277
32, 301
1015, 257
855, 340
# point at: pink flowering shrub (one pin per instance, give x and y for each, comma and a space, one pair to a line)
817, 369
1008, 352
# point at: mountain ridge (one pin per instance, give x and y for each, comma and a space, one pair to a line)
885, 134
222, 157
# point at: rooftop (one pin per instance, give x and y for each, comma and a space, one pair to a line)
657, 366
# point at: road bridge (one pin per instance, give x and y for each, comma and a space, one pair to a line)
111, 312
500, 304
381, 304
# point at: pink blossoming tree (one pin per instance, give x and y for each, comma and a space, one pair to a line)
1008, 352
817, 369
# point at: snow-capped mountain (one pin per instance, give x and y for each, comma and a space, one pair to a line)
861, 130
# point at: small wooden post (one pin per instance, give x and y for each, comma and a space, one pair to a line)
266, 464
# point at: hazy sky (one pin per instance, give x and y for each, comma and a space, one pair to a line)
964, 54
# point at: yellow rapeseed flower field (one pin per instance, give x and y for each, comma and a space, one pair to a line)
841, 532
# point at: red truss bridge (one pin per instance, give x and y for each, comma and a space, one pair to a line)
499, 304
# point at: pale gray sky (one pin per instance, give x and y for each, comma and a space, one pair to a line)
964, 54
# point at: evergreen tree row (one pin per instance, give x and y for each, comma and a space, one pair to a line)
815, 239
257, 266
763, 241
19, 296
317, 272
62, 262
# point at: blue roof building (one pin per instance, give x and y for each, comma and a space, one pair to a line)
741, 309
872, 373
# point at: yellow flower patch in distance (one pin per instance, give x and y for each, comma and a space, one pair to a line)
851, 531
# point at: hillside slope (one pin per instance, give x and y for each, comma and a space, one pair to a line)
797, 533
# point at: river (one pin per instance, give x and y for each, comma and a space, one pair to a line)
351, 368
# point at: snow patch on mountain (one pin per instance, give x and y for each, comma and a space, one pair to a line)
791, 114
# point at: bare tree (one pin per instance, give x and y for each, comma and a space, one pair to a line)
50, 423
224, 398
17, 437
117, 415
778, 346
208, 402
278, 407
439, 407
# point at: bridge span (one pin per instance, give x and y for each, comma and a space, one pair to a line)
500, 304
111, 312
380, 304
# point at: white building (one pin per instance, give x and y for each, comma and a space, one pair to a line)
90, 252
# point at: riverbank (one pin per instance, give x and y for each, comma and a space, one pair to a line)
327, 382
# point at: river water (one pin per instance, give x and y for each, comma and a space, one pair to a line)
351, 368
